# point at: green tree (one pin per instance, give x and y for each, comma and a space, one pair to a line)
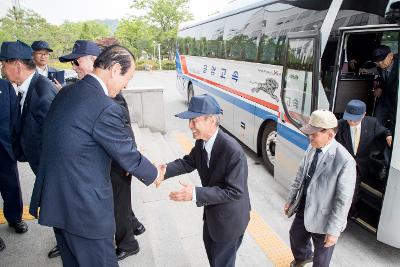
136, 34
166, 15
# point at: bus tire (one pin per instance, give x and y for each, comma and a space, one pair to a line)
268, 144
190, 92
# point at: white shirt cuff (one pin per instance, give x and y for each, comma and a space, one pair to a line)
194, 194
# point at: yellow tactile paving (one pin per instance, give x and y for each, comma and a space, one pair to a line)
25, 215
275, 249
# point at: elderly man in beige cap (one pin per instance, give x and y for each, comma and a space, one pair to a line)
321, 193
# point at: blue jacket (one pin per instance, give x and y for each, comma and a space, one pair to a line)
8, 116
84, 130
39, 96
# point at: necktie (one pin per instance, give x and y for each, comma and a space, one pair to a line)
205, 155
19, 98
311, 170
356, 139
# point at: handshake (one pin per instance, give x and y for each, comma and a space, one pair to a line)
161, 168
184, 194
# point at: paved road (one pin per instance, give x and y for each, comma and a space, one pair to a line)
265, 242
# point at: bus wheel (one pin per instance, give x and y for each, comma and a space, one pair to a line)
190, 92
268, 143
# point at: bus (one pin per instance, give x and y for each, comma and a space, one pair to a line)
271, 63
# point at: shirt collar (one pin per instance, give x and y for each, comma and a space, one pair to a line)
43, 71
23, 88
325, 148
354, 127
103, 85
208, 145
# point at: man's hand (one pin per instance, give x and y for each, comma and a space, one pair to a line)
185, 194
161, 172
57, 85
389, 140
330, 240
286, 208
377, 92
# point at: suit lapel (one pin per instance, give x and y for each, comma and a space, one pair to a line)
325, 161
347, 138
29, 96
215, 150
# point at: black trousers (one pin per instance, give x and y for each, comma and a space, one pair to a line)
125, 220
300, 243
220, 254
10, 187
77, 251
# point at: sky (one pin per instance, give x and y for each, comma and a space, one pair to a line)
56, 12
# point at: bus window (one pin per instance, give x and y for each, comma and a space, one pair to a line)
241, 33
298, 77
213, 33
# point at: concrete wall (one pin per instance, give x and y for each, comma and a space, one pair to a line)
146, 107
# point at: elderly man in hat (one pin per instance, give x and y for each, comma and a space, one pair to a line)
386, 94
41, 53
361, 135
222, 166
321, 193
35, 94
82, 57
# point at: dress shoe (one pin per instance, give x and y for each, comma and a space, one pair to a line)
2, 245
54, 252
123, 254
140, 230
20, 227
295, 263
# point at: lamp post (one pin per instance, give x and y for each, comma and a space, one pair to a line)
154, 49
159, 55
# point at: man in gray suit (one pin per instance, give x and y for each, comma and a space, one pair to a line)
321, 192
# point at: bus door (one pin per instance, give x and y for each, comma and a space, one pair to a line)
379, 193
299, 99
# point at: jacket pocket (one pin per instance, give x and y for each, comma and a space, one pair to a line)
103, 192
325, 211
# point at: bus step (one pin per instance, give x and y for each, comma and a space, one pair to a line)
371, 190
365, 225
372, 204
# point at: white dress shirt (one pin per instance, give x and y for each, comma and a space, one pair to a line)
103, 85
320, 156
208, 145
44, 72
23, 89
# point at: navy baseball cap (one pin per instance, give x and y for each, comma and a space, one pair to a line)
81, 48
200, 105
355, 110
41, 45
380, 53
15, 50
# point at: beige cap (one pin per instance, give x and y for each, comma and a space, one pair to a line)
319, 120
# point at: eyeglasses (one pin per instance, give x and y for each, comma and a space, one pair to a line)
75, 62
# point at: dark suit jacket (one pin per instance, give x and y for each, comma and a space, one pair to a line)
224, 194
372, 138
8, 116
39, 96
387, 102
84, 130
120, 100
